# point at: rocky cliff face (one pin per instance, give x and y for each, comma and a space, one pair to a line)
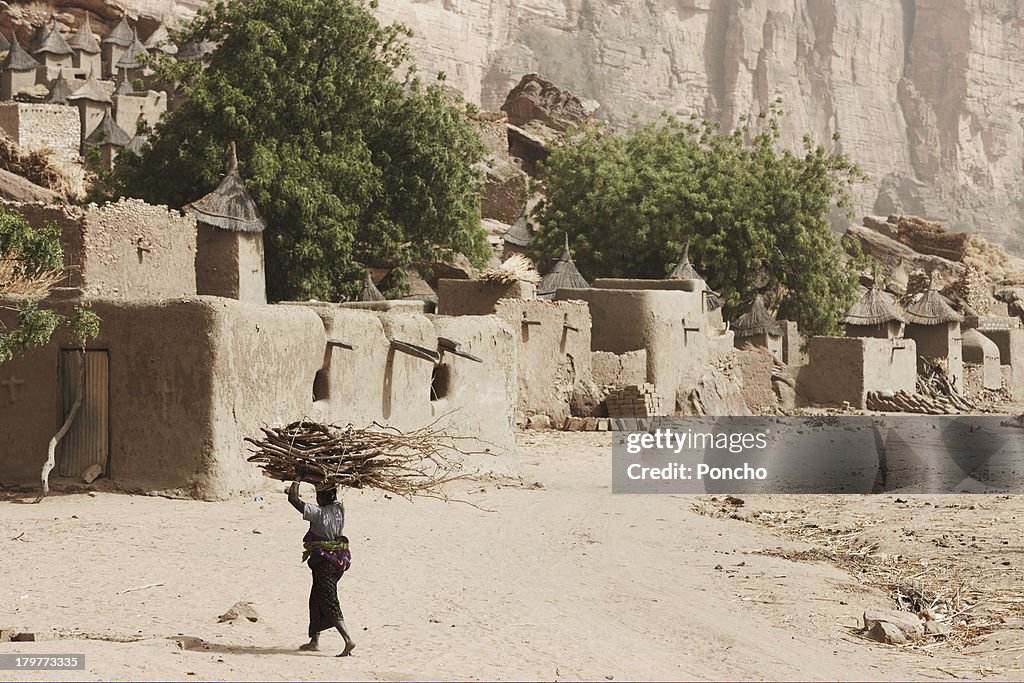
927, 94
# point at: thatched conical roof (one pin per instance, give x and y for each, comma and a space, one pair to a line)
519, 234
190, 51
4, 43
60, 91
19, 60
685, 270
91, 91
159, 40
108, 133
229, 207
930, 308
125, 87
136, 145
121, 34
370, 291
84, 39
563, 275
874, 308
135, 56
757, 320
52, 42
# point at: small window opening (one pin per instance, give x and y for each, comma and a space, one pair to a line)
322, 379
439, 382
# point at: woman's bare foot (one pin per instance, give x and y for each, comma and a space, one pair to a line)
349, 646
311, 646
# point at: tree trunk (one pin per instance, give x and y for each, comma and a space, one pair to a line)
51, 453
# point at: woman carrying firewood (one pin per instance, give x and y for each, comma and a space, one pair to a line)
327, 554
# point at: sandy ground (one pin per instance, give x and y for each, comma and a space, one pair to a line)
562, 580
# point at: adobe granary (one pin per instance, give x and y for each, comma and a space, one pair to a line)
108, 138
935, 327
518, 237
370, 291
52, 51
93, 101
875, 315
981, 362
758, 327
115, 45
685, 270
132, 64
86, 50
563, 275
19, 71
229, 241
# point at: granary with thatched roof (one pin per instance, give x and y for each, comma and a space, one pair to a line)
685, 270
93, 101
935, 327
563, 275
52, 50
60, 90
114, 45
86, 49
108, 138
132, 64
369, 291
18, 71
229, 240
876, 314
758, 327
517, 238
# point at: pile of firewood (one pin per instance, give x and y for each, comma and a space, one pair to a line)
416, 463
906, 402
934, 382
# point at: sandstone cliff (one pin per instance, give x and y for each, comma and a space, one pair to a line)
925, 93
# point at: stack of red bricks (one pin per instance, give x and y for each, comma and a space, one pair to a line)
634, 401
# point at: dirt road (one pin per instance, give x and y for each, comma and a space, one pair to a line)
562, 580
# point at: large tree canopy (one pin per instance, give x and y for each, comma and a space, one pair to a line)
348, 167
756, 217
31, 264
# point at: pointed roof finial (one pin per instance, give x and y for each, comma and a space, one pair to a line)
19, 60
60, 91
135, 56
370, 291
91, 91
52, 42
84, 40
108, 133
121, 34
229, 206
563, 275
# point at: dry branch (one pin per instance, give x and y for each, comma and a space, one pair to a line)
416, 463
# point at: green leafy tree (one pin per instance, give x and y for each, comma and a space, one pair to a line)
348, 167
756, 216
31, 262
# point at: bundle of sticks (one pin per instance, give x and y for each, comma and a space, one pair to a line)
416, 463
934, 382
905, 402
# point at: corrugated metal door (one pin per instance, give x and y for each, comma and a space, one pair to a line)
87, 442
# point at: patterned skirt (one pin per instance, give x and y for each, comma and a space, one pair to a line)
324, 608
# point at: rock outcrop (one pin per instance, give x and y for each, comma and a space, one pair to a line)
925, 95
